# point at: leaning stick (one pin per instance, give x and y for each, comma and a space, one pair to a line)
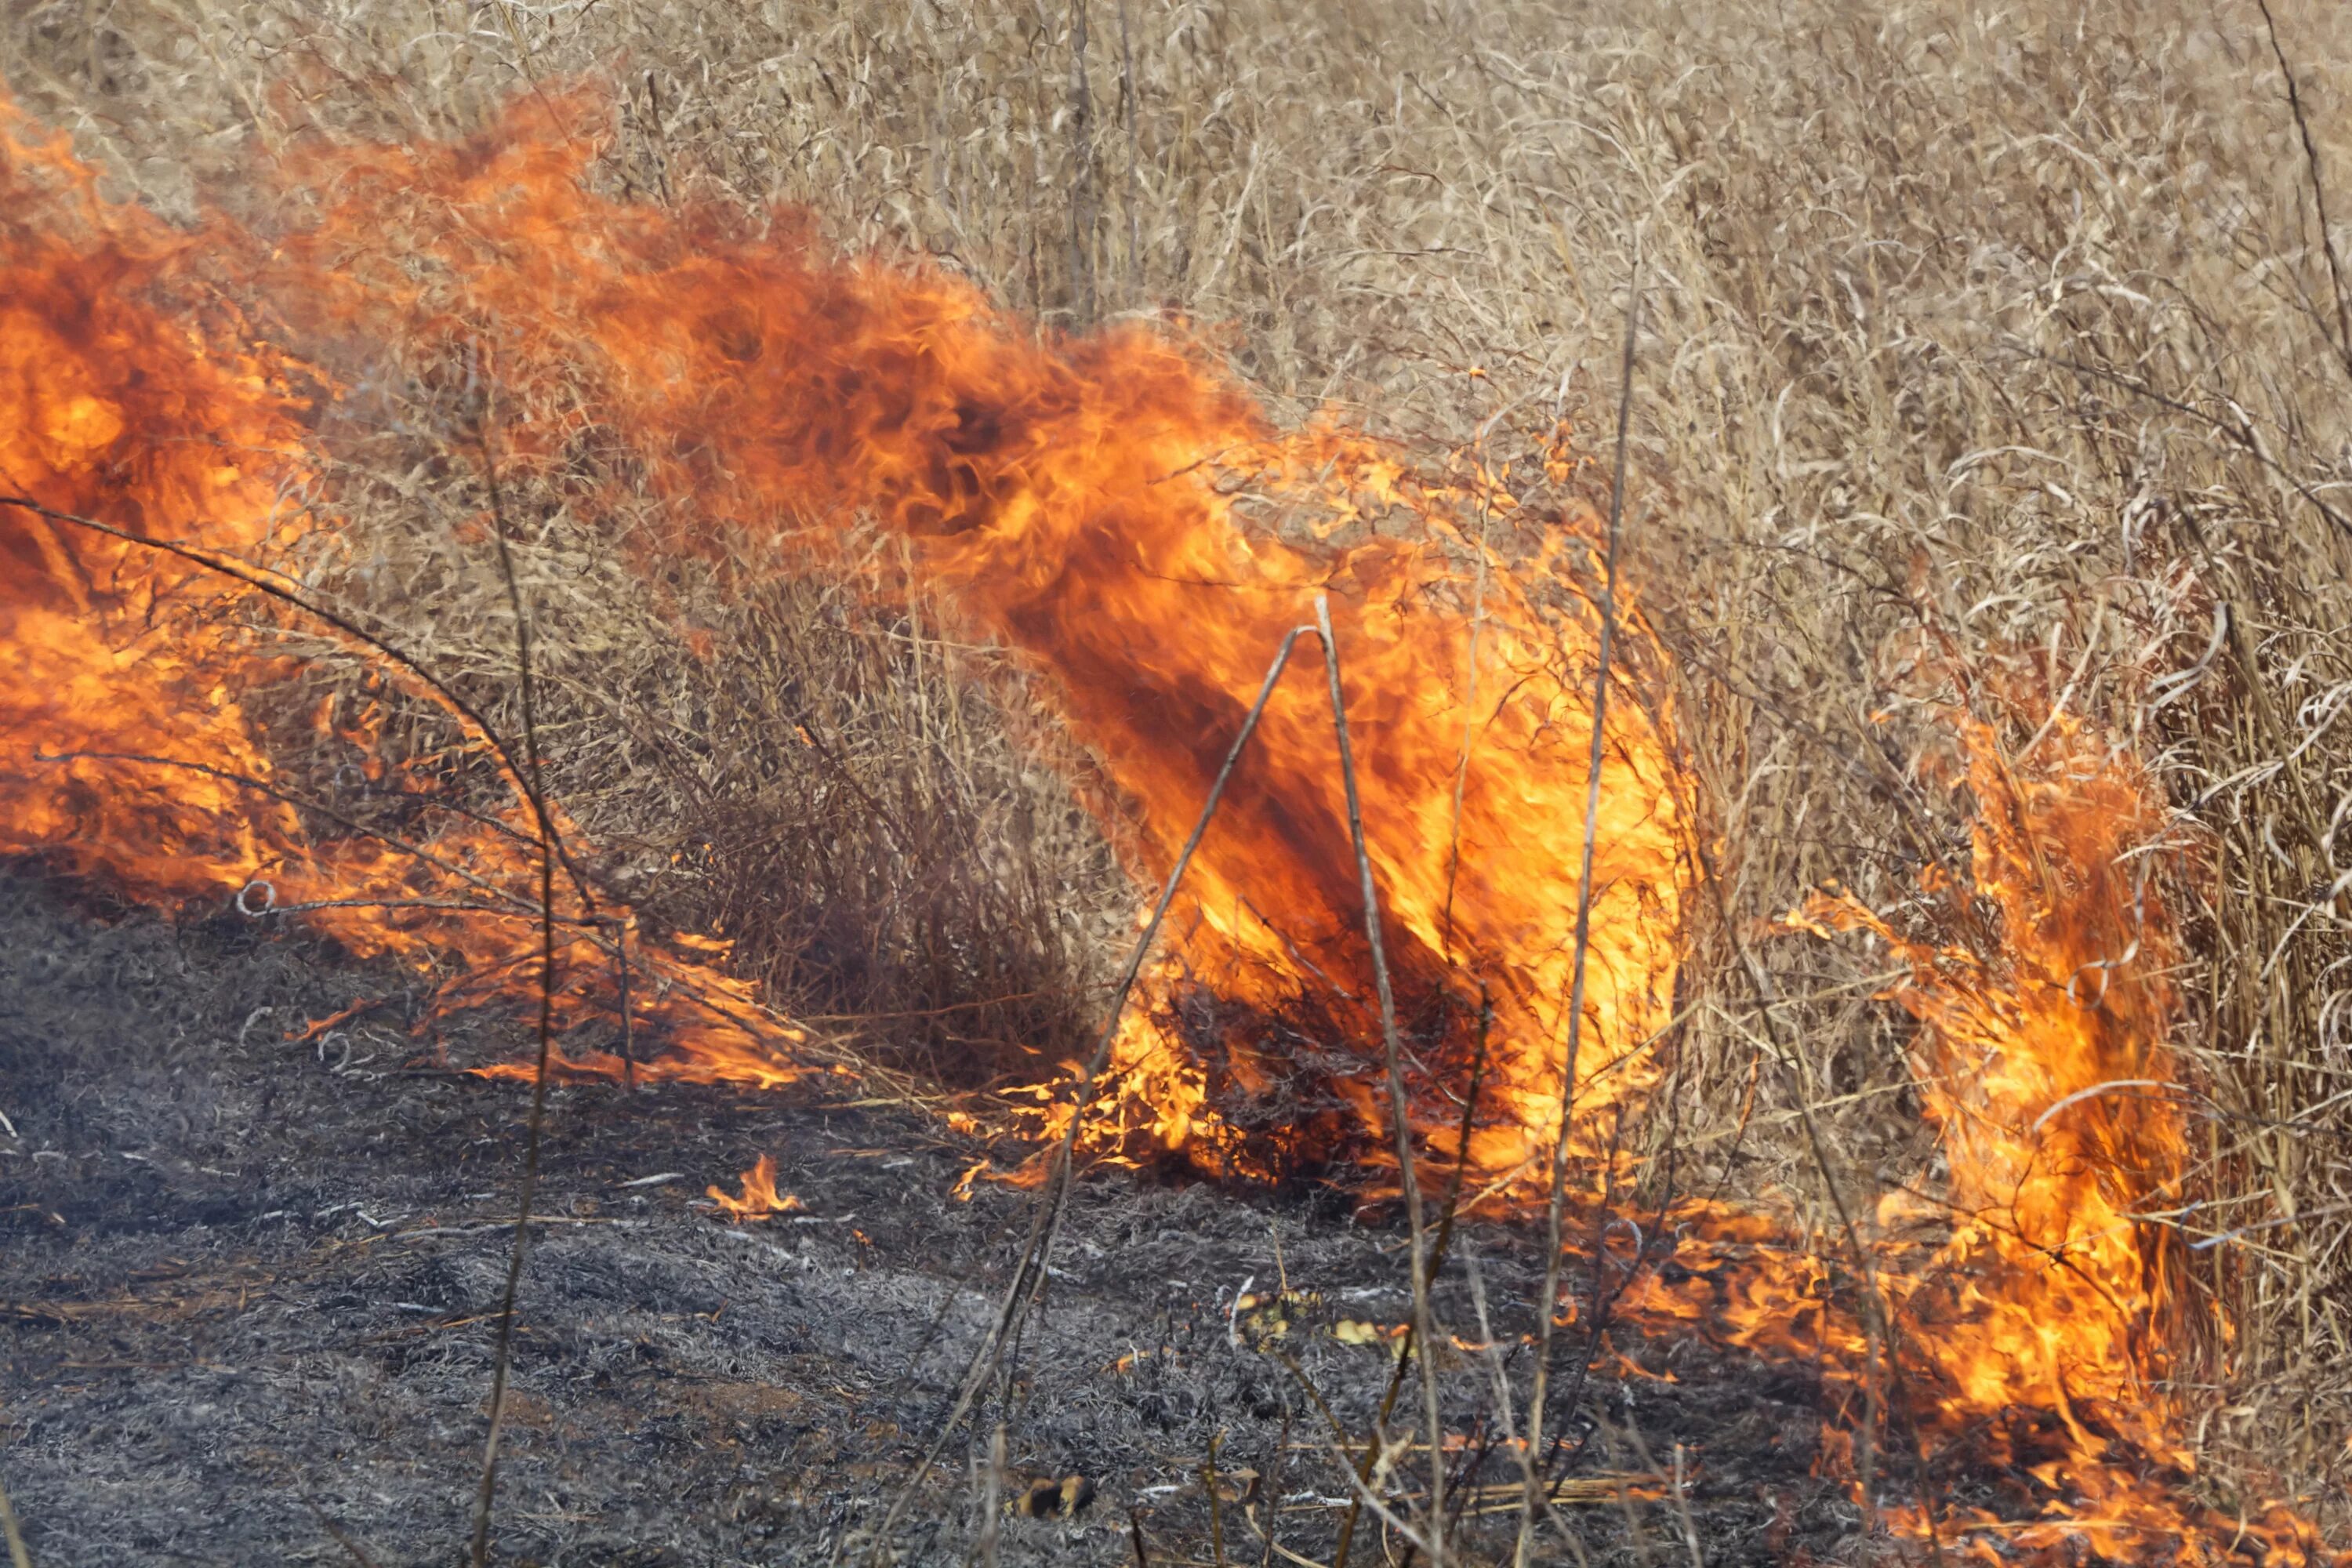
1398, 1104
1547, 1305
1054, 1198
17, 1556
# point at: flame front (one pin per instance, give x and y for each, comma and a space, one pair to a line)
109, 406
1121, 511
135, 393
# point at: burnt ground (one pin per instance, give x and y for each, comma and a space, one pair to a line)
240, 1280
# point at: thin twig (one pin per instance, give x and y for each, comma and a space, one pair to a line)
1424, 1327
1052, 1199
991, 1505
628, 1012
1083, 215
2318, 191
1216, 1504
1545, 1305
1134, 157
1469, 722
1378, 1433
341, 1536
1270, 1487
502, 1356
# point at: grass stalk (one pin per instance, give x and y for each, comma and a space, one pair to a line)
19, 1556
1547, 1306
1400, 1101
502, 1354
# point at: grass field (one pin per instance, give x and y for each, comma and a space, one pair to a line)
1987, 502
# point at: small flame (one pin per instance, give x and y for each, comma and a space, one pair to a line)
760, 1199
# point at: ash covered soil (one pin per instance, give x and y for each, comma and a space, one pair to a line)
247, 1288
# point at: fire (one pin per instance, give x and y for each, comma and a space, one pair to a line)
136, 393
1121, 511
2037, 1338
2048, 1079
760, 1199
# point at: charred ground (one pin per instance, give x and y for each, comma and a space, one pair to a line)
243, 1279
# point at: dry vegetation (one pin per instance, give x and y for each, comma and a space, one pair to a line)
1985, 348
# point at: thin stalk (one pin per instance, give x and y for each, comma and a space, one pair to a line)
628, 1012
341, 1537
991, 1498
1469, 724
1216, 1504
1422, 1323
2341, 296
1134, 155
486, 1491
1436, 1261
1083, 215
1270, 1487
1583, 939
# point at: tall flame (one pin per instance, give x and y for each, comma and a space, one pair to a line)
1118, 509
110, 405
2039, 1338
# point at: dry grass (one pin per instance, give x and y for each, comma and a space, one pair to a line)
2007, 335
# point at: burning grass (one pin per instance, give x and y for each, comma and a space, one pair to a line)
896, 593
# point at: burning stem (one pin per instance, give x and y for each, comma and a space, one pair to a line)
1547, 1304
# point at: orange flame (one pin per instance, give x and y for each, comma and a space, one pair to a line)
2038, 1339
1120, 511
132, 391
760, 1199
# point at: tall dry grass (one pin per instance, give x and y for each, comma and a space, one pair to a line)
2011, 334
